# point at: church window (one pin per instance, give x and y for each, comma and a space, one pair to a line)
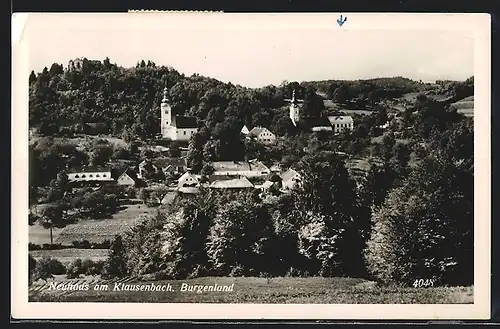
184, 132
83, 176
91, 175
76, 176
97, 175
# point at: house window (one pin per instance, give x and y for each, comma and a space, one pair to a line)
166, 122
104, 175
166, 111
184, 132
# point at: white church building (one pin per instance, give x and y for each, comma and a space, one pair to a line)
335, 123
175, 127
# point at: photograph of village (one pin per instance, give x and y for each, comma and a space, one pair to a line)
308, 190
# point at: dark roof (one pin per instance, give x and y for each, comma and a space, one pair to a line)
181, 121
131, 173
164, 162
317, 122
89, 169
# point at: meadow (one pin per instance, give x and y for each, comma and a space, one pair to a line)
66, 256
287, 290
92, 230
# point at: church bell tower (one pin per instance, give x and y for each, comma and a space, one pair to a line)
166, 113
294, 109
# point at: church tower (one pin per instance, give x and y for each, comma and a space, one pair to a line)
166, 113
294, 109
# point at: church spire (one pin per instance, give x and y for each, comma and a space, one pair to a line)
165, 95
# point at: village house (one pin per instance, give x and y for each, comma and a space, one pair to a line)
245, 130
171, 165
146, 166
275, 168
91, 174
264, 186
128, 178
188, 180
262, 135
341, 122
252, 168
289, 179
175, 127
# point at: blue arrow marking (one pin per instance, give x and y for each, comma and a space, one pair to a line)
341, 21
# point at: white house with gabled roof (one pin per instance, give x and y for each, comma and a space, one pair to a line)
188, 180
262, 135
341, 122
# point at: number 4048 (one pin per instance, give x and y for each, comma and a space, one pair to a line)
420, 283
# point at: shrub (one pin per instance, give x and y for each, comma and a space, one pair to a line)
47, 267
115, 265
74, 270
31, 267
319, 243
94, 267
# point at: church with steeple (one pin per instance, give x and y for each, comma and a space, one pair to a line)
295, 109
175, 127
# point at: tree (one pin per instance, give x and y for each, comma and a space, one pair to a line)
313, 104
388, 142
31, 268
58, 188
341, 94
326, 187
52, 215
207, 169
115, 265
174, 149
425, 227
32, 78
239, 239
101, 154
401, 153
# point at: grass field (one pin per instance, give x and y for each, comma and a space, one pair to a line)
313, 290
80, 141
66, 256
105, 229
91, 230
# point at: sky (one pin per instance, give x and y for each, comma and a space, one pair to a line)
252, 53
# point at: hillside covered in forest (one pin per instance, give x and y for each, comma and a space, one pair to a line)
63, 97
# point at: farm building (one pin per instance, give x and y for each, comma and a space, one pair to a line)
289, 178
341, 122
128, 178
91, 174
262, 135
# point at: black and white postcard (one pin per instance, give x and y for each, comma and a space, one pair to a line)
253, 166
